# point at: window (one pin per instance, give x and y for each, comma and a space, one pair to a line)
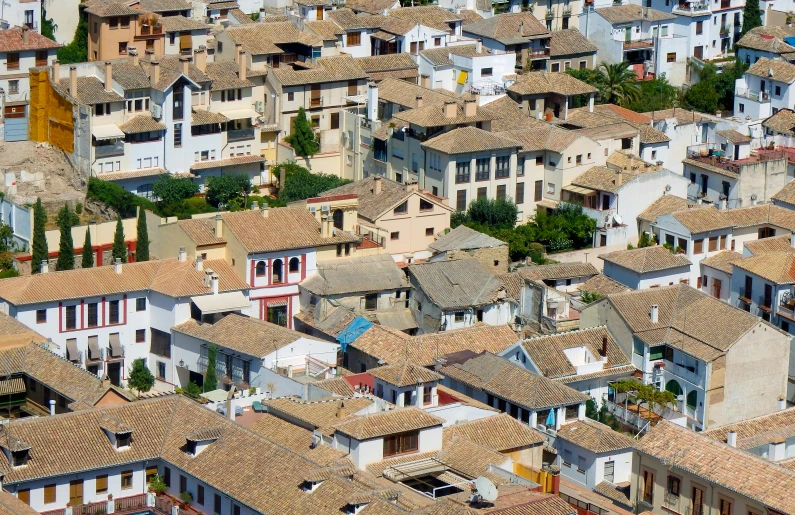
151, 472
160, 344
671, 56
261, 269
41, 316
674, 484
290, 96
126, 479
501, 192
556, 67
778, 90
235, 509
520, 166
140, 304
12, 61
503, 167
353, 87
429, 231
178, 107
726, 507
766, 232
402, 443
699, 27
551, 188
697, 501
437, 41
335, 121
458, 316
24, 495
295, 265
167, 480
394, 235
178, 134
461, 200
277, 271
713, 243
698, 246
200, 494
482, 193
519, 193
483, 169
462, 171
161, 370
648, 487
113, 312
742, 107
425, 205
427, 390
402, 209
656, 352
217, 503
353, 38
140, 335
49, 494
71, 317
485, 72
183, 483
102, 483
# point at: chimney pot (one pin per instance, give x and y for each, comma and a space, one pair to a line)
200, 58
731, 437
254, 205
377, 185
238, 49
45, 266
184, 65
470, 108
199, 263
419, 101
25, 35
214, 283
655, 313
108, 76
52, 406
56, 70
782, 403
450, 109
219, 226
132, 52
183, 255
117, 266
264, 209
73, 81
155, 75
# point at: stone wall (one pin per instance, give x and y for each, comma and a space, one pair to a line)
494, 259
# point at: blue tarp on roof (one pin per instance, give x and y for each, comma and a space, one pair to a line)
353, 331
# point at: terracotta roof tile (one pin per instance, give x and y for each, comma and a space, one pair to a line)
390, 422
780, 71
558, 271
469, 139
734, 136
569, 42
536, 83
320, 413
502, 433
456, 284
759, 430
765, 245
783, 122
619, 14
703, 220
776, 267
141, 123
91, 91
509, 28
356, 275
431, 16
328, 69
602, 285
647, 259
404, 374
11, 41
723, 261
594, 436
665, 205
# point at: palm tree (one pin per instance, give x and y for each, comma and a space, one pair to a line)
618, 83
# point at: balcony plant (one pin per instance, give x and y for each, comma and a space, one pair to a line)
549, 15
157, 486
186, 499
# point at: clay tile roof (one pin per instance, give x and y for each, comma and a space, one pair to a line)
498, 376
258, 38
431, 16
404, 374
779, 71
11, 41
508, 28
371, 6
105, 8
202, 117
337, 386
460, 283
326, 29
405, 94
348, 20
284, 228
765, 245
547, 352
543, 137
602, 285
665, 205
759, 38
469, 16
91, 91
114, 425
621, 112
141, 123
603, 178
723, 261
464, 238
569, 42
355, 275
536, 83
469, 139
180, 23
502, 433
328, 69
759, 430
390, 422
682, 116
441, 56
762, 214
396, 66
11, 505
703, 220
320, 413
224, 75
718, 463
393, 346
206, 433
250, 336
734, 136
510, 117
594, 436
157, 6
434, 115
776, 267
647, 259
628, 13
558, 271
783, 122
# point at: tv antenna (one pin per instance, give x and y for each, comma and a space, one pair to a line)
484, 491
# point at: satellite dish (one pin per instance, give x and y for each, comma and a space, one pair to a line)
486, 489
617, 219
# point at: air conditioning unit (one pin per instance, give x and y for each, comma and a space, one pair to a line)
312, 209
325, 208
157, 111
259, 106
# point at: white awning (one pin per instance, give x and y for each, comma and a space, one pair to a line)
220, 302
103, 132
578, 189
239, 114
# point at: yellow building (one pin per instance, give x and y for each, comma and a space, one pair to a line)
115, 27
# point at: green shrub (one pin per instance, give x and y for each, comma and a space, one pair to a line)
117, 198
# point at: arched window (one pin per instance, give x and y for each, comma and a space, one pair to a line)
261, 269
338, 215
692, 399
278, 271
295, 264
673, 387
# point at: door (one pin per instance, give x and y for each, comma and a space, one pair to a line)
628, 34
736, 152
609, 470
114, 373
338, 217
716, 287
314, 99
319, 12
76, 492
602, 240
698, 52
605, 202
16, 123
768, 300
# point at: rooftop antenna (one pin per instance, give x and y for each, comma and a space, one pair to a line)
484, 491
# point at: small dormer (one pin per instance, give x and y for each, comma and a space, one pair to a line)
356, 502
406, 384
199, 440
119, 433
17, 452
313, 479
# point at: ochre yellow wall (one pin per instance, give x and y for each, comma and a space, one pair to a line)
51, 118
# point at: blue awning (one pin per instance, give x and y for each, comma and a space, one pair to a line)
352, 331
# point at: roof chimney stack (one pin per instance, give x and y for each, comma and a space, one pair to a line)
133, 53
214, 283
238, 49
731, 437
782, 403
25, 35
73, 81
45, 266
377, 185
183, 255
199, 263
241, 61
155, 75
655, 313
264, 209
184, 65
117, 266
604, 346
419, 101
108, 76
450, 109
324, 226
56, 70
200, 57
470, 108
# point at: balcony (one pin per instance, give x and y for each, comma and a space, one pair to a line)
639, 44
691, 8
121, 506
151, 30
725, 32
538, 54
240, 134
567, 11
689, 373
671, 502
114, 149
483, 176
764, 304
462, 178
744, 295
786, 306
752, 94
549, 15
725, 4
316, 102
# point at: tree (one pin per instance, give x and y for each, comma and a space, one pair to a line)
191, 390
66, 247
618, 83
6, 238
170, 189
140, 378
119, 249
142, 238
210, 377
495, 213
48, 26
223, 191
88, 252
655, 95
588, 297
591, 410
303, 139
752, 16
588, 76
77, 50
301, 184
40, 252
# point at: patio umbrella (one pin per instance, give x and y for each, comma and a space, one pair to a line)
550, 419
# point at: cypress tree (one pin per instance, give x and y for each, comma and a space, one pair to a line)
39, 252
119, 249
88, 252
142, 245
66, 246
211, 378
303, 139
752, 16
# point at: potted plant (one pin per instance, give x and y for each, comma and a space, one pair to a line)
157, 485
186, 499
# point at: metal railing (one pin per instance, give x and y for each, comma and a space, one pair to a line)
461, 178
240, 134
483, 176
750, 94
691, 7
114, 149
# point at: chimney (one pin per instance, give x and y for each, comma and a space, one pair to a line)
230, 412
56, 70
25, 35
412, 186
238, 50
184, 65
108, 76
45, 266
479, 46
418, 98
52, 403
731, 437
199, 263
133, 53
155, 75
241, 61
604, 346
655, 312
219, 226
324, 226
73, 81
117, 266
183, 256
264, 209
282, 176
470, 108
342, 411
207, 276
782, 403
214, 283
377, 185
777, 449
372, 101
200, 58
792, 239
450, 109
254, 205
